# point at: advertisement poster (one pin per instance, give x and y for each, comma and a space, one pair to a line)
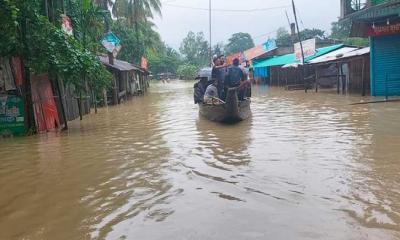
308, 48
12, 115
66, 25
112, 43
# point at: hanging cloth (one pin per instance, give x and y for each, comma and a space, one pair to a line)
7, 82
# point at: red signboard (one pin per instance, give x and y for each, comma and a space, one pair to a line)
374, 31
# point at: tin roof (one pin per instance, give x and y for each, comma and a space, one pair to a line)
119, 65
254, 52
333, 55
290, 58
346, 52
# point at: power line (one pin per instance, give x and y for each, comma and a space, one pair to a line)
227, 10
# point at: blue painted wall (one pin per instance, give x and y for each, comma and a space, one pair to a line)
385, 65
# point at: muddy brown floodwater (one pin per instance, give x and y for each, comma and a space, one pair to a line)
305, 166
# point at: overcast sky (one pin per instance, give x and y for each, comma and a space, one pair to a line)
176, 21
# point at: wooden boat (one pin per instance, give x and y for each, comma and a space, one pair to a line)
230, 111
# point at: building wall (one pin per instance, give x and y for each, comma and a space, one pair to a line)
385, 65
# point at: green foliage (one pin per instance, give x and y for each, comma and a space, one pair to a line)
239, 42
46, 49
164, 59
283, 37
130, 50
8, 27
359, 42
195, 49
312, 33
61, 55
187, 71
218, 49
341, 31
136, 11
88, 22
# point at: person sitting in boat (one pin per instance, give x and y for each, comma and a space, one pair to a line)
211, 95
200, 89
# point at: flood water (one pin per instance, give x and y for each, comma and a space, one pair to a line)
305, 166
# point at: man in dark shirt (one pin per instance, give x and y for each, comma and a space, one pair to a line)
237, 78
235, 75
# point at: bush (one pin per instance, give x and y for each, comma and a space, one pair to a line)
187, 71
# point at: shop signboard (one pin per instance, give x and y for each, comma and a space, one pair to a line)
309, 49
270, 45
112, 43
382, 30
12, 115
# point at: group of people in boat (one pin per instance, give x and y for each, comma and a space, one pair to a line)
223, 77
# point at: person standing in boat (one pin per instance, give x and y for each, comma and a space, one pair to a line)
218, 74
236, 78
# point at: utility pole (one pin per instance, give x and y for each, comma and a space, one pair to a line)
110, 57
301, 44
291, 29
210, 27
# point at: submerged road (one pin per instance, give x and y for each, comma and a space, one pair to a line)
305, 166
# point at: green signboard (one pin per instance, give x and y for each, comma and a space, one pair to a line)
12, 115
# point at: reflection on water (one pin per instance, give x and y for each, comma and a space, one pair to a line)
305, 166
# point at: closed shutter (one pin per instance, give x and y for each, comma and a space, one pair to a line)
385, 65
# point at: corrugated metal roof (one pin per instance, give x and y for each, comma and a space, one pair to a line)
358, 52
254, 52
276, 61
333, 55
290, 58
119, 64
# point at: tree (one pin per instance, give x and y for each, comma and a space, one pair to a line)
163, 59
312, 33
239, 42
187, 71
195, 49
283, 37
218, 49
137, 13
341, 31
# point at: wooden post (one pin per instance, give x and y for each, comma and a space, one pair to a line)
94, 101
341, 78
61, 97
115, 87
338, 75
316, 79
105, 98
279, 76
362, 77
30, 120
80, 105
300, 41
